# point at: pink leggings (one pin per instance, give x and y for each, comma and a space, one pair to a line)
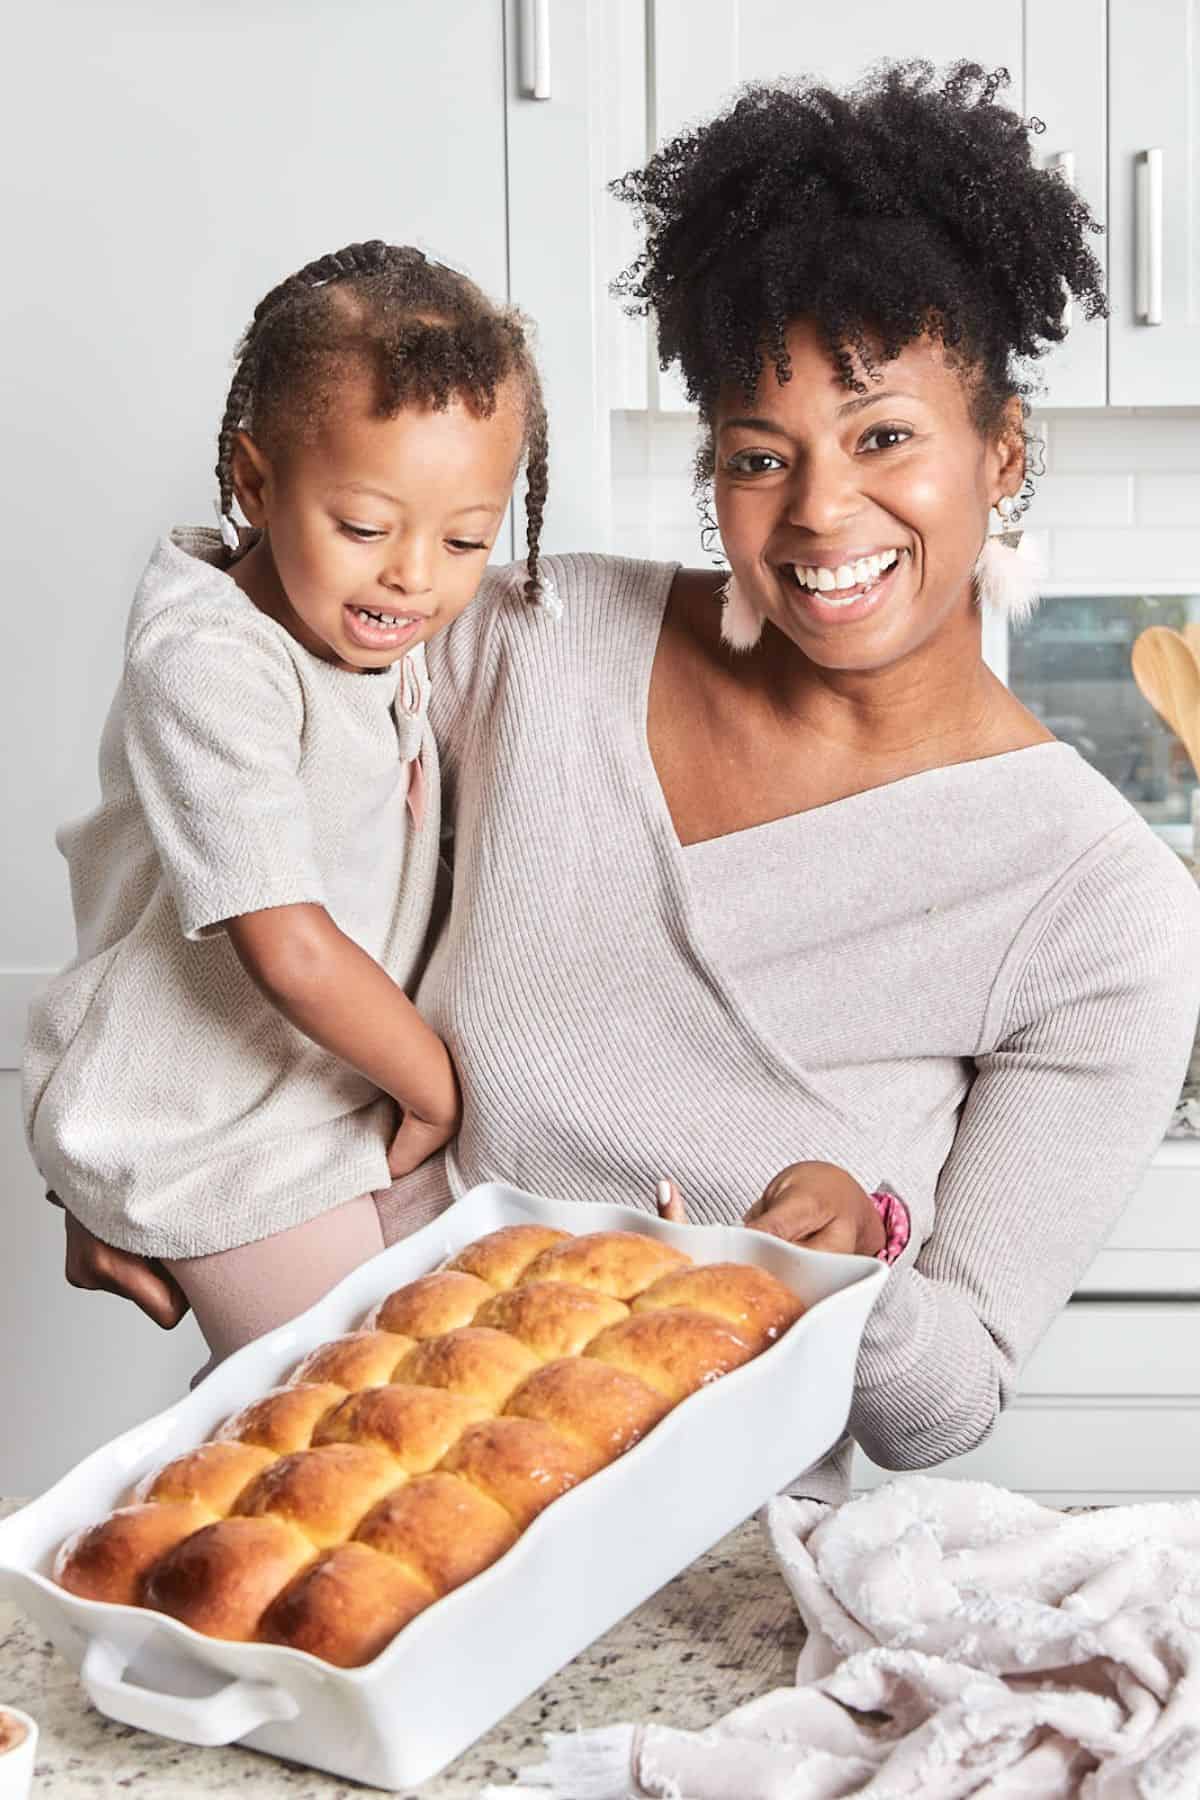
239, 1294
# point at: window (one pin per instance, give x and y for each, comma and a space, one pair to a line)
1070, 665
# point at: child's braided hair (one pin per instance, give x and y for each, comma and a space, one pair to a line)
425, 333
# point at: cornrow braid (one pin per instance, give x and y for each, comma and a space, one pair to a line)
424, 332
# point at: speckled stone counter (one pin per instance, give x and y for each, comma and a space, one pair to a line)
721, 1633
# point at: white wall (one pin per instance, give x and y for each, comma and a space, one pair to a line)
75, 1368
1120, 499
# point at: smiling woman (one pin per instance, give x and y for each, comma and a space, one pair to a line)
721, 912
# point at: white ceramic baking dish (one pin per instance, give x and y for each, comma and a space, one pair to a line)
475, 1654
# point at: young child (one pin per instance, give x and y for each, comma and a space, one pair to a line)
214, 1081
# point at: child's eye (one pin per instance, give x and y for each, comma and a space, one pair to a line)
362, 534
464, 544
754, 462
891, 435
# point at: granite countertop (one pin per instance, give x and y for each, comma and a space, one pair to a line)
722, 1632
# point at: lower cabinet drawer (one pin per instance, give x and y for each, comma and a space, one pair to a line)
1108, 1412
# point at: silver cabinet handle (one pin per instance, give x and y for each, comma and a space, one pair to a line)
1149, 170
535, 49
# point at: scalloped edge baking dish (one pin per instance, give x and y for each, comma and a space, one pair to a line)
592, 1557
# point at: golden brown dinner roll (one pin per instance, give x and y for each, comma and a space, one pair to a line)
285, 1418
759, 1307
554, 1318
222, 1578
442, 1529
674, 1350
361, 1359
324, 1492
436, 1303
107, 1561
212, 1475
502, 1257
476, 1361
415, 1425
590, 1403
347, 1607
520, 1463
620, 1263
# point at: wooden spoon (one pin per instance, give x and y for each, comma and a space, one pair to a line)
1167, 671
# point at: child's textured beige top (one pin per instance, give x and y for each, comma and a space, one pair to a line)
978, 985
168, 1103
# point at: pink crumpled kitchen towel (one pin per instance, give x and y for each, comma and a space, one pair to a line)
1011, 1649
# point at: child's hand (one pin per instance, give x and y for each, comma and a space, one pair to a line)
814, 1204
101, 1268
415, 1142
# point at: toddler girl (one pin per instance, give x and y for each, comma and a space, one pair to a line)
214, 1081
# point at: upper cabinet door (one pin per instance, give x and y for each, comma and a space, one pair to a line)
1066, 89
1053, 49
1154, 257
167, 165
703, 49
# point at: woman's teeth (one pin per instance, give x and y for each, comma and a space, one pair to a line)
854, 576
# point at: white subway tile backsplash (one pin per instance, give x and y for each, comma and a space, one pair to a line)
1124, 442
1105, 500
1157, 554
1168, 500
1119, 500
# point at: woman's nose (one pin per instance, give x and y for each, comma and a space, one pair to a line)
823, 493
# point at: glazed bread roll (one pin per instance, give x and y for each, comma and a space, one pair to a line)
403, 1458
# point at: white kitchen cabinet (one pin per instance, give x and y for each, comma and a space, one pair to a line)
703, 49
1154, 76
1066, 49
164, 166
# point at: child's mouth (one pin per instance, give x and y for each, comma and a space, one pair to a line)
372, 630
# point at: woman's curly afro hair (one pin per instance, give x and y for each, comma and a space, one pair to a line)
909, 205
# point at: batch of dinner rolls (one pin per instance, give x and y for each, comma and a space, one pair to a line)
399, 1461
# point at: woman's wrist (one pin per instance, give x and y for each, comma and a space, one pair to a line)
897, 1226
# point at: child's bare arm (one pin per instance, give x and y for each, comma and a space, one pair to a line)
329, 988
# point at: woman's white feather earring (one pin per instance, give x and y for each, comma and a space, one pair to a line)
1008, 576
741, 624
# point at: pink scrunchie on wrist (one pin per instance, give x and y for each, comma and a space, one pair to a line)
896, 1224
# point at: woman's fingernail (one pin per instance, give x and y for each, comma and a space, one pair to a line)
663, 1191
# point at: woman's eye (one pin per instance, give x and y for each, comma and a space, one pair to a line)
886, 437
754, 462
464, 544
362, 534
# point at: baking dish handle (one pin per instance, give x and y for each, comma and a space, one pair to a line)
221, 1718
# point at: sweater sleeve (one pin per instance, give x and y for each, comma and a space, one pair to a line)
212, 726
1069, 1102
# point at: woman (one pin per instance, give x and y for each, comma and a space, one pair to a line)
834, 893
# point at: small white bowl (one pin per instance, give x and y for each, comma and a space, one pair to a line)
16, 1765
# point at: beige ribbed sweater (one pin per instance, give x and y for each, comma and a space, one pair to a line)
174, 1109
984, 982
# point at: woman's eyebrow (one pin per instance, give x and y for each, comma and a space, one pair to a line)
754, 425
862, 401
858, 404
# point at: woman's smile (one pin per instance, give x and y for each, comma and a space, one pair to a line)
842, 592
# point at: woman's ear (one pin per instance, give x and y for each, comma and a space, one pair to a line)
252, 478
1008, 473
